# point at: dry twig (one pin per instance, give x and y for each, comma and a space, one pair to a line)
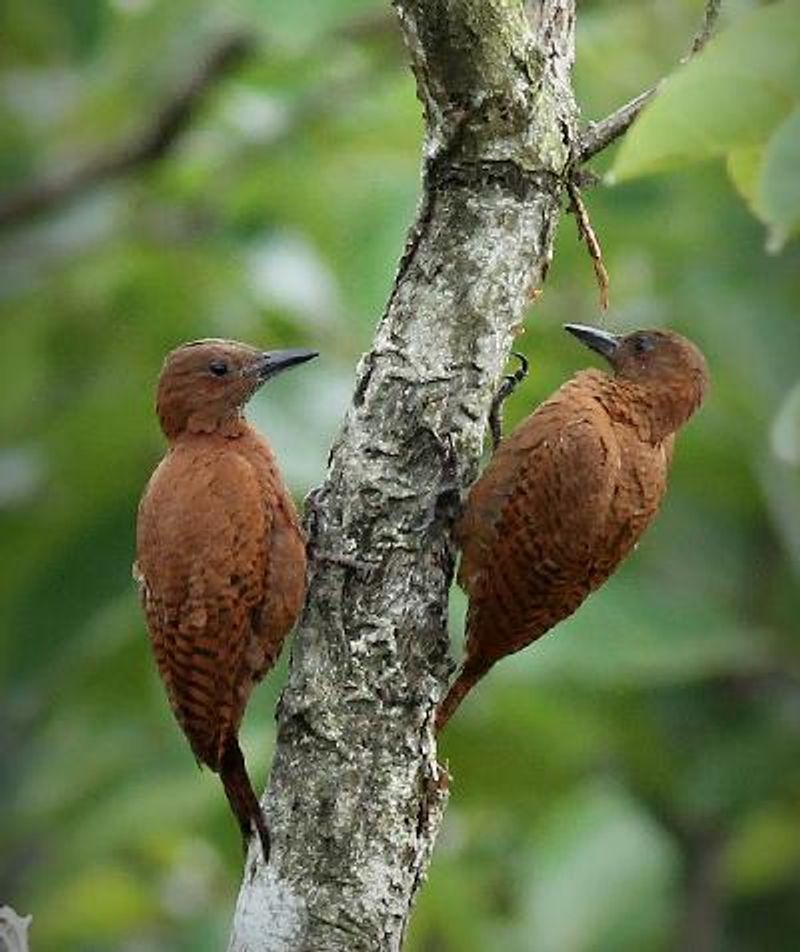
587, 233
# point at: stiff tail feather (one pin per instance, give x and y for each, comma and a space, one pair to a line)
471, 672
240, 794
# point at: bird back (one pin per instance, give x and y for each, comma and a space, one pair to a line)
202, 551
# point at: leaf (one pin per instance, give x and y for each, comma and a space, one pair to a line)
732, 95
744, 168
600, 877
779, 183
629, 636
785, 431
765, 850
95, 904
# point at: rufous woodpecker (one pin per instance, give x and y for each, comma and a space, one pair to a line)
569, 493
220, 554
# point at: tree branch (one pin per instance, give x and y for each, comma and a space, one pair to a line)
356, 795
701, 842
600, 135
700, 928
147, 145
703, 35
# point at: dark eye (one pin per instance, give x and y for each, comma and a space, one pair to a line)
218, 367
642, 343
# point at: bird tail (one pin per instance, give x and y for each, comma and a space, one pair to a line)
243, 801
471, 672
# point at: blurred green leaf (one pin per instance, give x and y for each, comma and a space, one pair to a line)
785, 433
96, 904
765, 851
779, 182
733, 95
744, 166
601, 877
625, 636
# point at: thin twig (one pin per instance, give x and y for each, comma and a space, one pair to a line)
703, 35
147, 145
600, 135
587, 233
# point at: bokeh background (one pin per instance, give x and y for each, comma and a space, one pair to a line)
633, 782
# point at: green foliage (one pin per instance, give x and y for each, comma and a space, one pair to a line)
667, 704
786, 429
778, 190
738, 99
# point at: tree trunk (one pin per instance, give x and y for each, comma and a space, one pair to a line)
356, 796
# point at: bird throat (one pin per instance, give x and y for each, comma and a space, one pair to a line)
654, 411
230, 424
210, 418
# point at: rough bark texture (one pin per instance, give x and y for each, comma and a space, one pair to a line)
356, 795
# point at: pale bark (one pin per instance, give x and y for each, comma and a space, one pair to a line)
356, 796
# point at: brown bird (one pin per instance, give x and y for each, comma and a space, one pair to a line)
567, 496
220, 555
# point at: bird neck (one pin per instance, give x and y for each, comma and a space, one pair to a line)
230, 423
654, 412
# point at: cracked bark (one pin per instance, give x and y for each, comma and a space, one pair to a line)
356, 796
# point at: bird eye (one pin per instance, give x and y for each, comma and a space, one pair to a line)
218, 367
642, 343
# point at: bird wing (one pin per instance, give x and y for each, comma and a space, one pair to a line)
286, 582
202, 554
533, 520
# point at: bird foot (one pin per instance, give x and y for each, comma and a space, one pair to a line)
507, 387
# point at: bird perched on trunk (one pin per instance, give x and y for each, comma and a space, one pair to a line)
220, 555
567, 496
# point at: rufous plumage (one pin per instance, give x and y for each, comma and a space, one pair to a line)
220, 554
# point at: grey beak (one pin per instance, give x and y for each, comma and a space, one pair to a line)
274, 362
603, 342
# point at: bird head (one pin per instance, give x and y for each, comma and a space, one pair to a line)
205, 384
668, 372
